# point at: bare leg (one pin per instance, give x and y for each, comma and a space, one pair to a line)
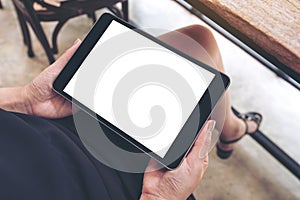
209, 54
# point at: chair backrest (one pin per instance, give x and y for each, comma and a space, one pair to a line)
23, 5
27, 11
27, 7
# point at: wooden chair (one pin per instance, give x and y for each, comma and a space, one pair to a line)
67, 10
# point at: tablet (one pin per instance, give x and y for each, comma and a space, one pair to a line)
151, 95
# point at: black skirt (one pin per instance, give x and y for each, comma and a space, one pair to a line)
45, 159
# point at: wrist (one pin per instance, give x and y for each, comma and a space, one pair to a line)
14, 99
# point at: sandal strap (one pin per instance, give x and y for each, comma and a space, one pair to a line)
230, 141
250, 116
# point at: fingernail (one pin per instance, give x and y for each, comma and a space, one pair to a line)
76, 41
210, 129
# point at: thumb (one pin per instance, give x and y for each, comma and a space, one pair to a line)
198, 154
60, 63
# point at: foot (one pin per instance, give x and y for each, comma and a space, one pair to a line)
248, 124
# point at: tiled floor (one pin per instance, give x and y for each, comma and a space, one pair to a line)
251, 173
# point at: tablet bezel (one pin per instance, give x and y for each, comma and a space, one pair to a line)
185, 138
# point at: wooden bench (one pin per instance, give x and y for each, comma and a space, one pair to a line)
274, 26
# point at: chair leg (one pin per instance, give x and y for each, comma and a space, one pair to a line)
125, 10
1, 5
92, 16
25, 33
124, 13
55, 34
116, 11
23, 26
38, 30
30, 52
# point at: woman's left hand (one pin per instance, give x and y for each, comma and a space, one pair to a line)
41, 100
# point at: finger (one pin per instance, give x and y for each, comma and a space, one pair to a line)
154, 169
198, 154
153, 166
204, 138
204, 144
65, 57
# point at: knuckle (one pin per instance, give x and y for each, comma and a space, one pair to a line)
205, 164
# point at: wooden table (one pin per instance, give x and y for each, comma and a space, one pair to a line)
272, 25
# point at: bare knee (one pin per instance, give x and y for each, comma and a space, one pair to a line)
206, 39
197, 32
202, 35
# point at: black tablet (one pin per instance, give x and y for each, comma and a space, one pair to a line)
150, 94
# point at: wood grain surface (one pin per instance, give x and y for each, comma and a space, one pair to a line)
273, 25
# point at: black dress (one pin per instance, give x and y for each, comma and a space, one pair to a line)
45, 159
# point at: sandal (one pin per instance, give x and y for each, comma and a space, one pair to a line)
250, 116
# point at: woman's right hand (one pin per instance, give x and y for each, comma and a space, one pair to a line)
178, 184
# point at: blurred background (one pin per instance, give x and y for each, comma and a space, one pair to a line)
251, 172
